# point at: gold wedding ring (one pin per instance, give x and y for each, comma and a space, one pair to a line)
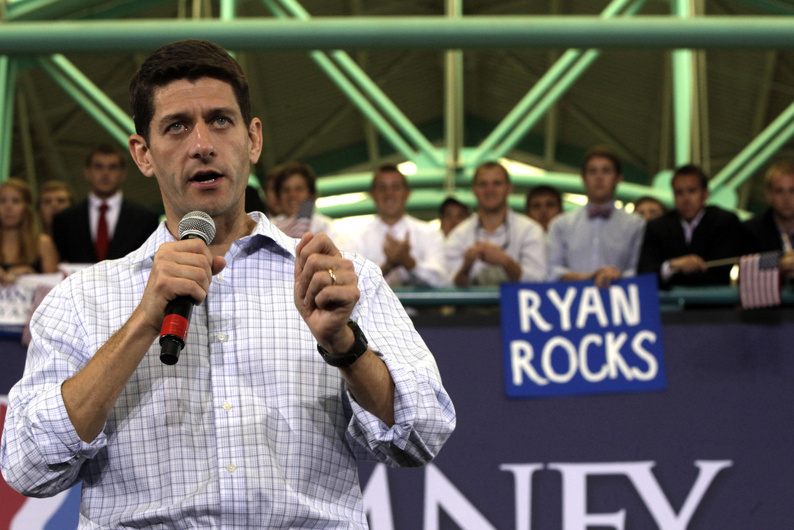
333, 276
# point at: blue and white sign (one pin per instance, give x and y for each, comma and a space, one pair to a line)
572, 338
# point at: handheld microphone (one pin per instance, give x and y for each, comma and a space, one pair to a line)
195, 225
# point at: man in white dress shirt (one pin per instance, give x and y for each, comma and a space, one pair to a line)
408, 250
495, 244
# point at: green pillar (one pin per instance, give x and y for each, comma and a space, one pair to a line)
7, 74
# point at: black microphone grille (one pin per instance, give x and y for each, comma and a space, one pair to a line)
197, 224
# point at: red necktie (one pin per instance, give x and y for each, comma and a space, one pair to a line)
101, 244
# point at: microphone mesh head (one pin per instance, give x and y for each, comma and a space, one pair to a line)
197, 225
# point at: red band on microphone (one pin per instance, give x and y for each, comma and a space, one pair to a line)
175, 325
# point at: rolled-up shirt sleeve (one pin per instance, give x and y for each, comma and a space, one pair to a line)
423, 411
41, 451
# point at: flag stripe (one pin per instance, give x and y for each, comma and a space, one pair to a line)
759, 280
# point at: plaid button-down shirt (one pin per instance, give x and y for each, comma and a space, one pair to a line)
250, 429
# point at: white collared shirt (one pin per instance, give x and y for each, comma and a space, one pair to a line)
251, 429
111, 215
427, 249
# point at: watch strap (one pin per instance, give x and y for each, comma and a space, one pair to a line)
358, 349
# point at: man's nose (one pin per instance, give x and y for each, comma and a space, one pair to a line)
201, 144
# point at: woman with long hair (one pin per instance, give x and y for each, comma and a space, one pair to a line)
22, 249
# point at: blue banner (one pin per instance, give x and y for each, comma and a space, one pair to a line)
572, 338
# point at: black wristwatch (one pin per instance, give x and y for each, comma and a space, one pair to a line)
357, 350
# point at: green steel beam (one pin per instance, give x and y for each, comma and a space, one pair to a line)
74, 9
360, 182
683, 92
351, 91
757, 152
408, 129
557, 80
364, 105
453, 104
763, 32
7, 75
367, 88
228, 9
546, 101
430, 199
89, 105
96, 94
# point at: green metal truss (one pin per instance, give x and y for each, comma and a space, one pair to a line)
86, 25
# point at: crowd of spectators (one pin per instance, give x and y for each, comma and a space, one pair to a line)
691, 244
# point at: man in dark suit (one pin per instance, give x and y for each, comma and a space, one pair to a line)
105, 225
677, 245
773, 228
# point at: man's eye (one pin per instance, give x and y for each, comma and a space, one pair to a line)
175, 127
221, 121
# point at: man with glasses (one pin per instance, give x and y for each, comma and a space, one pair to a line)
495, 244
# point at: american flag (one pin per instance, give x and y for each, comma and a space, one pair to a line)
759, 280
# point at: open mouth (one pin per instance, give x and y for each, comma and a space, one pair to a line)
206, 177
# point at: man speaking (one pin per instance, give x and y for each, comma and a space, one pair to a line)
298, 360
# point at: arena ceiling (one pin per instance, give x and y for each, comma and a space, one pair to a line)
723, 105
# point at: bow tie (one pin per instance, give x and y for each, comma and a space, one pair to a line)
599, 211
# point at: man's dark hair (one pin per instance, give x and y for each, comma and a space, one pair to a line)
388, 168
602, 151
189, 59
284, 171
692, 169
648, 198
490, 165
451, 202
105, 149
537, 191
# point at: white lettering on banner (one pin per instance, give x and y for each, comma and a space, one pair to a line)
522, 478
548, 369
377, 500
441, 493
624, 307
591, 304
645, 355
574, 485
563, 305
578, 359
584, 366
529, 310
521, 354
614, 359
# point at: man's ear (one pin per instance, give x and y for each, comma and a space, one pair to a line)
255, 137
140, 154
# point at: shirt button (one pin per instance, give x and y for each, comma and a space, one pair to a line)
222, 337
227, 406
219, 277
231, 468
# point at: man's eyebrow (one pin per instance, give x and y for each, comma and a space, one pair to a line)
185, 116
174, 117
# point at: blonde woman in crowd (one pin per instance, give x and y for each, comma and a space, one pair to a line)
22, 250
